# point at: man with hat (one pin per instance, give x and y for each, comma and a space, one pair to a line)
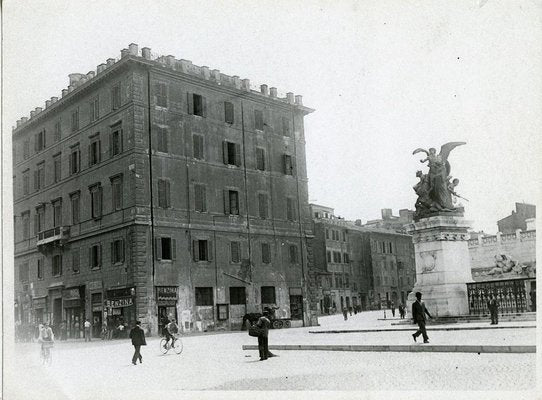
138, 339
263, 343
418, 314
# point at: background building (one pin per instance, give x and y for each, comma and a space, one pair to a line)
518, 219
159, 187
390, 221
360, 265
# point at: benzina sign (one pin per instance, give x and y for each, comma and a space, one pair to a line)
119, 303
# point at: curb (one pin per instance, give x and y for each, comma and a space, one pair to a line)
402, 348
465, 328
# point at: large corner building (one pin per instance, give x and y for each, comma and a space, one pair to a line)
156, 187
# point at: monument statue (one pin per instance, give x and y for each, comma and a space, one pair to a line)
434, 189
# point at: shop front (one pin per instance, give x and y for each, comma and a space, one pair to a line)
73, 300
121, 314
166, 299
39, 309
54, 308
96, 307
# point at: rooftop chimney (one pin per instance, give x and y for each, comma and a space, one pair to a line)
32, 113
246, 84
133, 49
299, 100
38, 110
185, 65
146, 53
124, 53
24, 119
273, 91
206, 73
264, 89
90, 74
64, 92
70, 88
54, 99
100, 68
110, 61
47, 103
386, 213
170, 60
74, 78
18, 123
290, 97
216, 75
236, 81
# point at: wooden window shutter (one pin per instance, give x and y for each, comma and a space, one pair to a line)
113, 252
44, 135
90, 154
226, 201
203, 198
237, 154
292, 166
99, 254
158, 248
122, 250
111, 144
225, 151
161, 193
99, 155
209, 250
190, 102
36, 224
285, 164
173, 249
204, 106
36, 144
168, 197
195, 250
36, 178
99, 200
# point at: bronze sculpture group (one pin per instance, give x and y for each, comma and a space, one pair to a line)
435, 189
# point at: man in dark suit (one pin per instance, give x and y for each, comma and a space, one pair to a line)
263, 339
493, 306
138, 339
418, 314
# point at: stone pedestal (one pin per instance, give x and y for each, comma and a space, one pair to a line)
442, 264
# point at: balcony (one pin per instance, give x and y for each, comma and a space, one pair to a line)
55, 237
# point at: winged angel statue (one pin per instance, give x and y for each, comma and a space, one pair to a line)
434, 190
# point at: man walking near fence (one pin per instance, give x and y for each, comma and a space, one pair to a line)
418, 314
493, 306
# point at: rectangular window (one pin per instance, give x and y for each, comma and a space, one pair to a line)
26, 182
258, 120
57, 213
290, 209
39, 176
285, 126
198, 104
266, 253
116, 193
75, 159
26, 149
238, 295
74, 198
232, 153
390, 247
39, 141
117, 251
346, 258
76, 258
327, 233
58, 131
95, 256
200, 198
344, 236
204, 296
228, 112
288, 165
94, 151
40, 220
160, 90
197, 147
260, 159
202, 250
40, 268
166, 248
163, 193
162, 140
57, 265
235, 249
115, 96
26, 224
94, 111
96, 201
293, 254
23, 272
328, 255
57, 167
75, 120
231, 202
262, 205
115, 140
268, 295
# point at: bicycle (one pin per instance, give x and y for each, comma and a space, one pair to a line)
176, 344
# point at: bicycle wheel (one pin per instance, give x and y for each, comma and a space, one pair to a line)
178, 346
163, 346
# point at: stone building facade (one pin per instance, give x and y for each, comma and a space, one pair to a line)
157, 187
518, 219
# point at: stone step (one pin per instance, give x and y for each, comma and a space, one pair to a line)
413, 326
414, 348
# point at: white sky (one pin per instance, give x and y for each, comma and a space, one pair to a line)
385, 77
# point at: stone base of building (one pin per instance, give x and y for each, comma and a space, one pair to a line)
442, 264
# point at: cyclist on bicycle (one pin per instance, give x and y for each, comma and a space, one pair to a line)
46, 338
170, 330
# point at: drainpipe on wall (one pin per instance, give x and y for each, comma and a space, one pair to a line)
153, 255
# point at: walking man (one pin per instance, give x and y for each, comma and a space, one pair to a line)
263, 339
493, 306
87, 330
345, 313
418, 314
392, 309
138, 339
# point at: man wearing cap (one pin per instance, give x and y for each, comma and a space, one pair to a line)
263, 343
138, 339
418, 314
